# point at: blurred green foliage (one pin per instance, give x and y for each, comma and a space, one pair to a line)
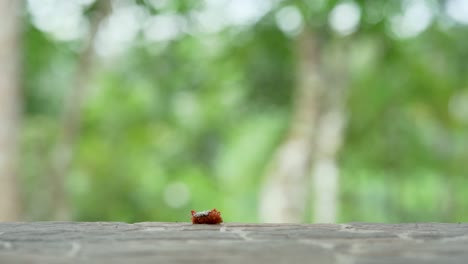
191, 122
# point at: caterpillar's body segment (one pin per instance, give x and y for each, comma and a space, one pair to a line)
210, 217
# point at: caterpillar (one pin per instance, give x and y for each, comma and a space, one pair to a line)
209, 217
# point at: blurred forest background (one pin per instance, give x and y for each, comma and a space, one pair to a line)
268, 110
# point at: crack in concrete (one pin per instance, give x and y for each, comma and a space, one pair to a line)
318, 243
241, 233
6, 245
352, 229
407, 237
357, 248
152, 229
454, 239
75, 249
344, 259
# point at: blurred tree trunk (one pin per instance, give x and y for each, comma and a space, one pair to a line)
285, 192
10, 50
308, 154
329, 137
72, 115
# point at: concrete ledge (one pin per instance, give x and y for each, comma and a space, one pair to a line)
109, 242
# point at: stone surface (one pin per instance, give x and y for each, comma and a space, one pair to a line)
107, 242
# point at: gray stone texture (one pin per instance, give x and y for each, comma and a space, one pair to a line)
108, 242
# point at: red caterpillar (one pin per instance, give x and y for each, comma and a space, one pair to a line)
209, 217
